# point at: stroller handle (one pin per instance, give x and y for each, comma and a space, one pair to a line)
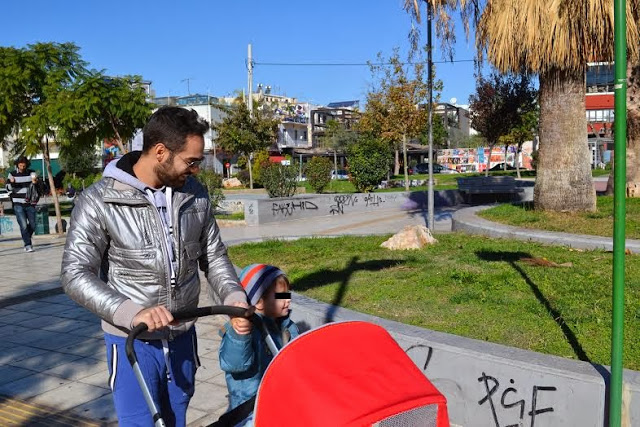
191, 314
184, 315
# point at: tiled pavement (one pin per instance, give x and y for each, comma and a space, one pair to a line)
52, 351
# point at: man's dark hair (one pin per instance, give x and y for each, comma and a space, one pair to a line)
171, 126
23, 159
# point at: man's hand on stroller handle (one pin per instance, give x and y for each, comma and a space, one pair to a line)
154, 317
241, 325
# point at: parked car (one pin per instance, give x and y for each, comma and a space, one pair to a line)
424, 168
340, 174
500, 166
5, 196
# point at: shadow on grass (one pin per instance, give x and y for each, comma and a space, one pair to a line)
511, 258
325, 277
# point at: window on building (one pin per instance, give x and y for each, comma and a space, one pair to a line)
600, 78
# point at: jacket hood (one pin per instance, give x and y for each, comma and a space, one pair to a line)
117, 170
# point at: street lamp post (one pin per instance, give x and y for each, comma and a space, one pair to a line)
430, 204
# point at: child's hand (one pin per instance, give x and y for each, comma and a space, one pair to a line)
241, 325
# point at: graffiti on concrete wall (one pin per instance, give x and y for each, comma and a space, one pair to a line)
6, 225
289, 207
341, 201
508, 399
507, 408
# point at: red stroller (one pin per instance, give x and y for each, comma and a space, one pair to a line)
341, 374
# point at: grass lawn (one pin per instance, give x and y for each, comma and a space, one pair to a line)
470, 286
236, 216
598, 223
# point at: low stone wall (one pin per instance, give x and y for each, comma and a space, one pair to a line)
9, 225
493, 385
263, 211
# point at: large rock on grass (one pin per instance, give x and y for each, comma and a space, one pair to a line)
231, 183
410, 237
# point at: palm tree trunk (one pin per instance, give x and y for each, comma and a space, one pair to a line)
633, 130
563, 181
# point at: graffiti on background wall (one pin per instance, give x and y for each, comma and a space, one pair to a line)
475, 159
341, 201
502, 402
287, 208
6, 225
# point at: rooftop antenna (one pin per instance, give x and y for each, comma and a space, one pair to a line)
188, 80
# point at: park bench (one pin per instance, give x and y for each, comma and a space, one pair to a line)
489, 188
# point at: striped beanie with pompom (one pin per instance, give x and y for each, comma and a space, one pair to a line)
256, 278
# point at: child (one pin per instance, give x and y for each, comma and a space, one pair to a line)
245, 357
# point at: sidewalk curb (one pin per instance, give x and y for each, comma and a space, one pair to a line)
466, 220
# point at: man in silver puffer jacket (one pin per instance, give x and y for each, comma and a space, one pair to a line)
135, 242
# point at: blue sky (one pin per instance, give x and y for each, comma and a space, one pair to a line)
206, 42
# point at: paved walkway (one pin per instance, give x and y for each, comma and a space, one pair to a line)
52, 360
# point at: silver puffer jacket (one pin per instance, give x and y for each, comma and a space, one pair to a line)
114, 263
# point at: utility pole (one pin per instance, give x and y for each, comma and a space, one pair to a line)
619, 208
430, 203
250, 80
250, 104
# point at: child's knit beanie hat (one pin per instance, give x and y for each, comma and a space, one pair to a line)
256, 278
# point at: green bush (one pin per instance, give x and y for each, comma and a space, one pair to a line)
259, 162
213, 183
369, 161
80, 183
318, 172
279, 180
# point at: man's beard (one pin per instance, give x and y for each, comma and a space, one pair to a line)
167, 175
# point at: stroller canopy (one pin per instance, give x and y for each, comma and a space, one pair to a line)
347, 374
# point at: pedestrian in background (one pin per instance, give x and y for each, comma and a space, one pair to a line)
19, 183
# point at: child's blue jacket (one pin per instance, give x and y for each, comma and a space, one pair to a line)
244, 358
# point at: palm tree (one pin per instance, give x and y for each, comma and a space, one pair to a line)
556, 39
633, 131
633, 134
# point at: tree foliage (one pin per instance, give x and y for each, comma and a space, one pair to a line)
105, 108
499, 105
318, 172
47, 96
369, 160
241, 133
81, 160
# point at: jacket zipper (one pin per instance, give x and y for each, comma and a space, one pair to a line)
165, 252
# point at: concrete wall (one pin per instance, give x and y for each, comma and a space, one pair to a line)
493, 385
263, 211
9, 225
